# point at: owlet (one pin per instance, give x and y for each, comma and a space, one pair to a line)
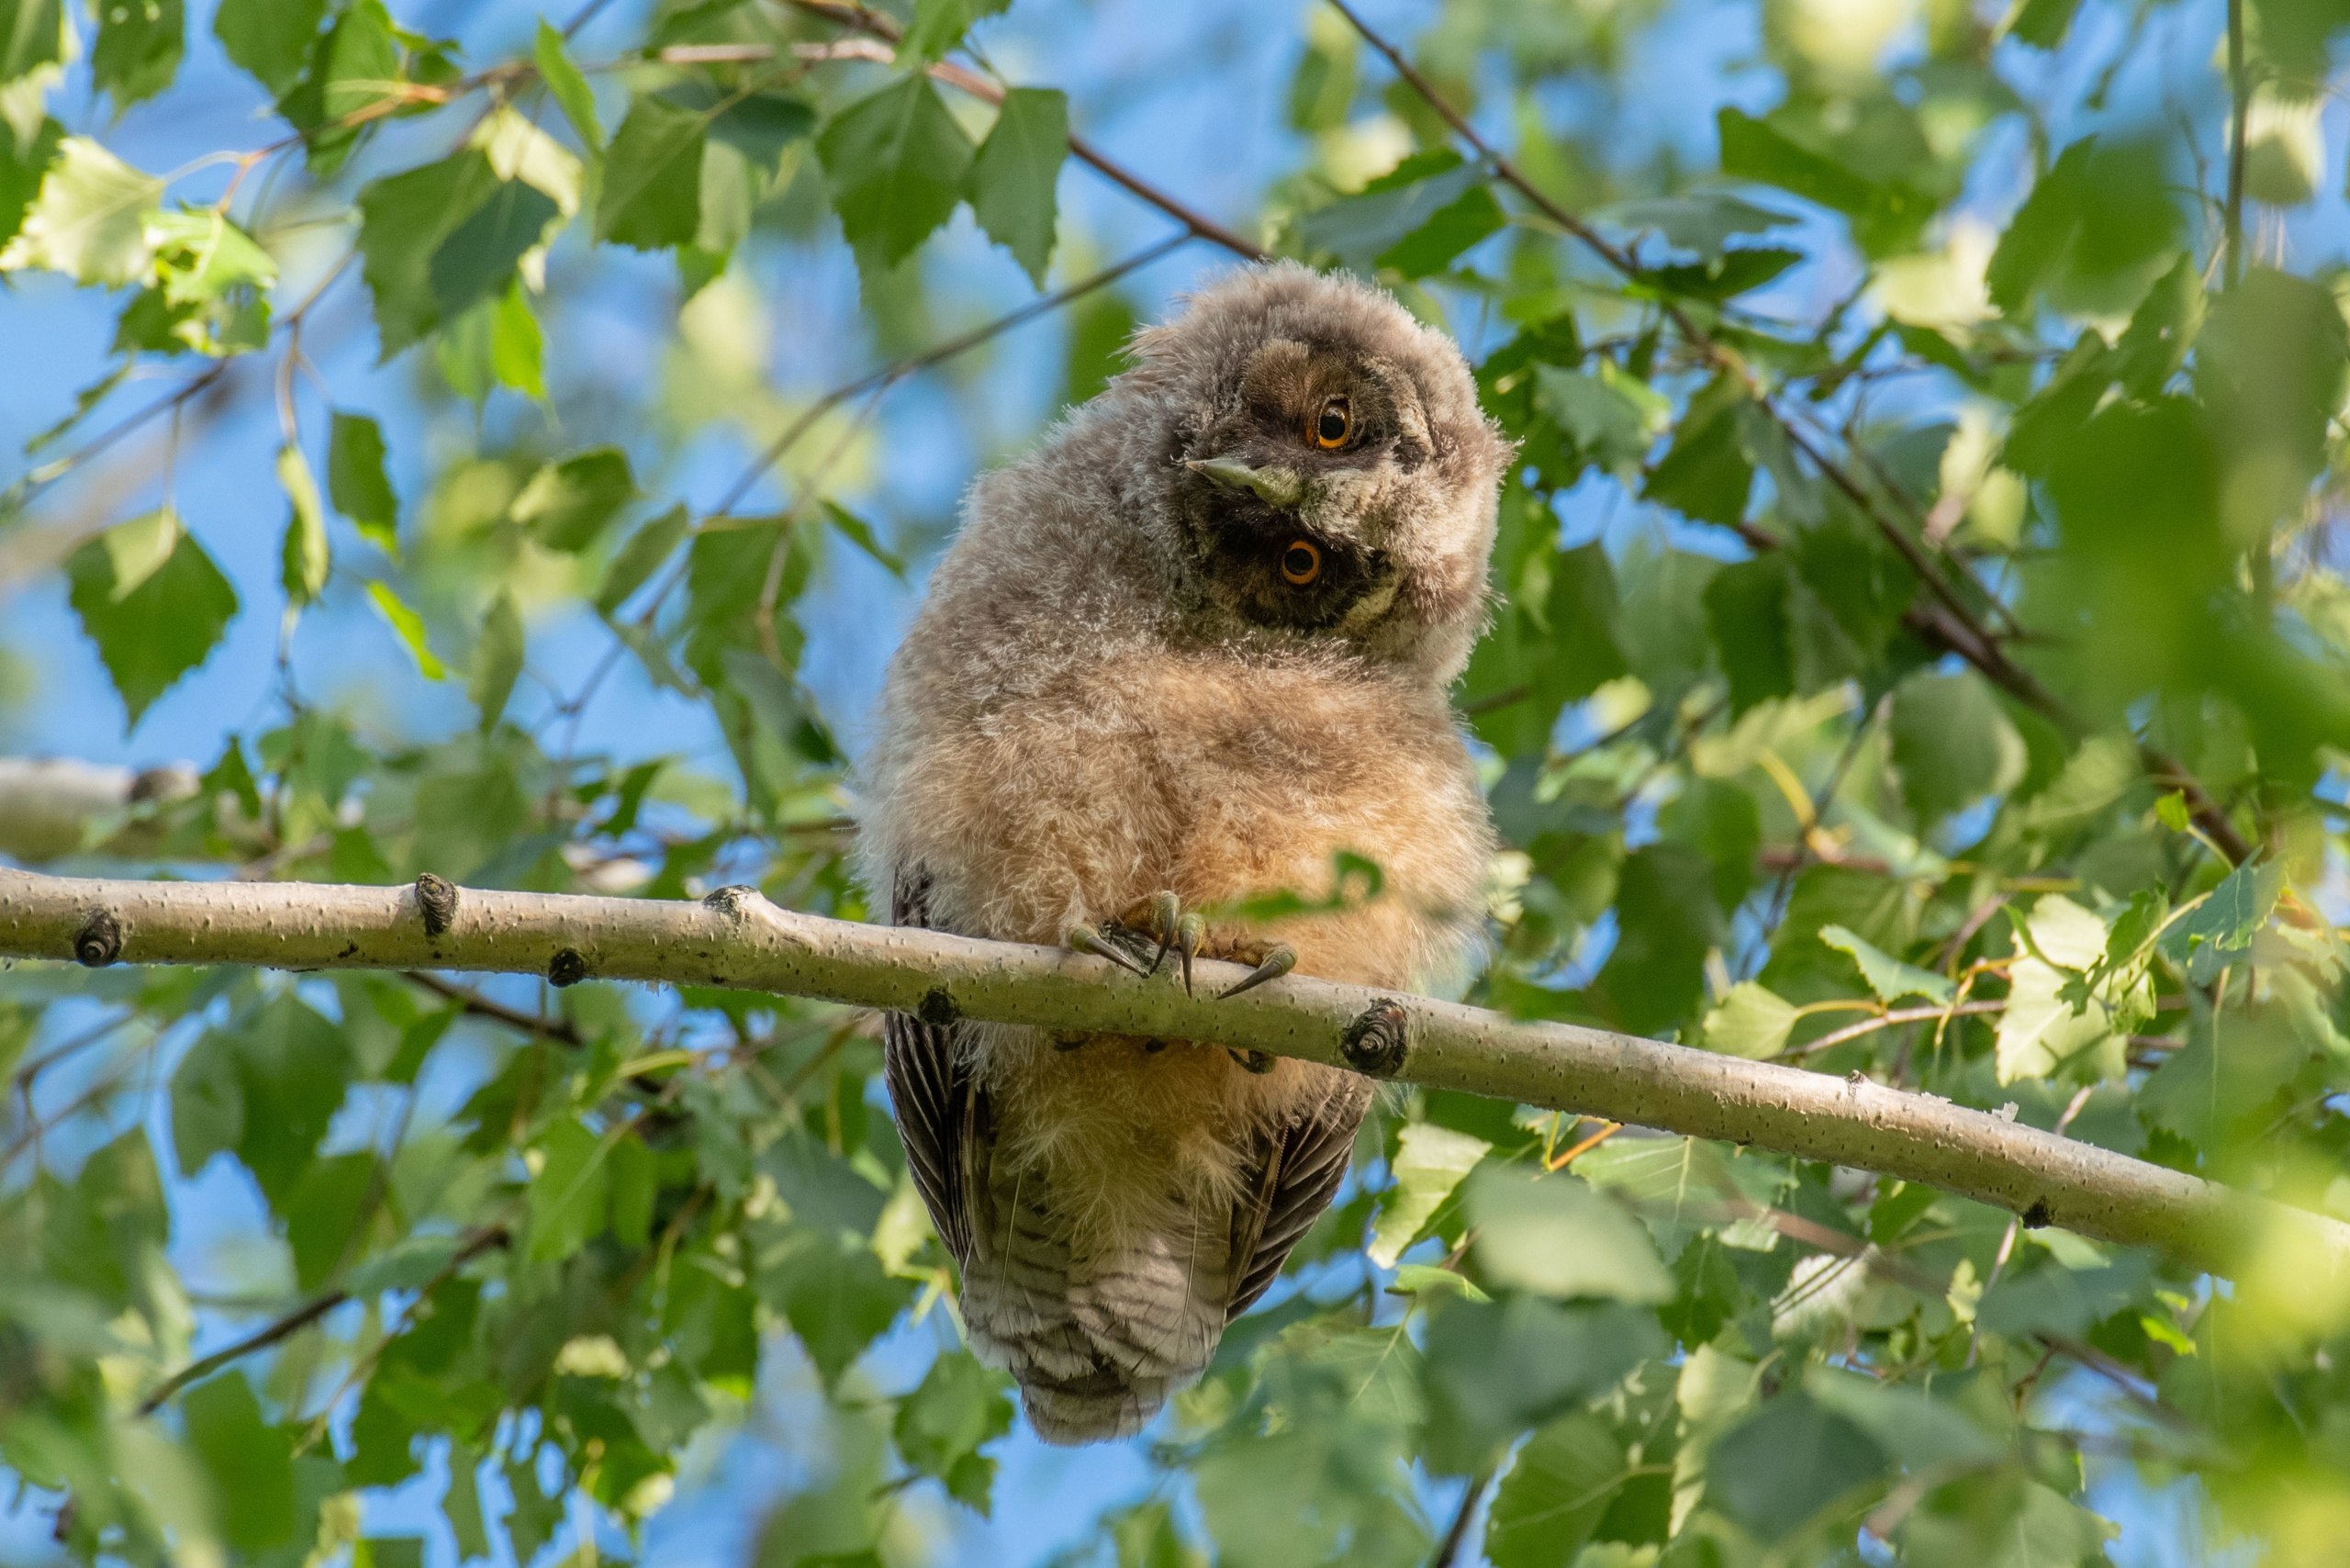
1188, 652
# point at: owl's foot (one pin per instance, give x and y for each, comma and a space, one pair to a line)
1161, 918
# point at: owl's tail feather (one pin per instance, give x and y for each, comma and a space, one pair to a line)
1097, 1328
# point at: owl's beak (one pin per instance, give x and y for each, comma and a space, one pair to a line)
1274, 486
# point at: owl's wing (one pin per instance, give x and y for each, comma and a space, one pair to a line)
1301, 1170
931, 1091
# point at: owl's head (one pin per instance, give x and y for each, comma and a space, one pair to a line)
1322, 461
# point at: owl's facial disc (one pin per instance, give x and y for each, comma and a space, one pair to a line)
1291, 494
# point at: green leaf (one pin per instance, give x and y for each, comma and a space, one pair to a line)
410, 626
568, 504
859, 533
651, 196
634, 1185
31, 36
570, 1192
355, 480
460, 1503
426, 258
1702, 222
353, 71
2053, 1299
138, 47
1429, 1164
838, 1302
958, 1409
638, 559
1493, 1369
566, 85
939, 26
1746, 607
2041, 1031
207, 1104
897, 161
535, 1517
1613, 418
1888, 976
1558, 1489
498, 659
250, 1464
2091, 227
321, 1213
2219, 931
302, 560
1751, 1021
1754, 151
1953, 744
1784, 1465
1731, 273
1360, 230
390, 1551
90, 220
1666, 923
269, 39
22, 169
152, 601
2043, 23
1706, 475
294, 1067
1014, 175
1557, 1237
1451, 229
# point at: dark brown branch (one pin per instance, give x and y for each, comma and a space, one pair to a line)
537, 1024
1448, 1550
296, 1321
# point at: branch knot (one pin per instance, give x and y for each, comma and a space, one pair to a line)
100, 942
1375, 1042
436, 899
731, 900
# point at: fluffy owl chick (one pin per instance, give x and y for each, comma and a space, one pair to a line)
1184, 654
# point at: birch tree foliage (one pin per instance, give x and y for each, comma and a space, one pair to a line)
1920, 651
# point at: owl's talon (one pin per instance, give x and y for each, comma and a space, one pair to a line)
1277, 962
1253, 1061
1189, 931
1083, 939
1165, 920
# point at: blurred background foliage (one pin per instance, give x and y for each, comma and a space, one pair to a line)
451, 440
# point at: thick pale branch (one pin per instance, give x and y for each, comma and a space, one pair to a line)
737, 938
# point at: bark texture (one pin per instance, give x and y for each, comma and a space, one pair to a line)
734, 937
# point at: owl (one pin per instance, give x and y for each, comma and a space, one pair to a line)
1189, 655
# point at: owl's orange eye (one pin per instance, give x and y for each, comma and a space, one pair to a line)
1333, 424
1301, 563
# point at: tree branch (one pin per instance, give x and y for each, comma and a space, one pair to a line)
736, 938
294, 1322
1951, 624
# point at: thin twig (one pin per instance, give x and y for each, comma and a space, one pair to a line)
556, 1029
1448, 1550
953, 346
294, 1323
2240, 115
1886, 1021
